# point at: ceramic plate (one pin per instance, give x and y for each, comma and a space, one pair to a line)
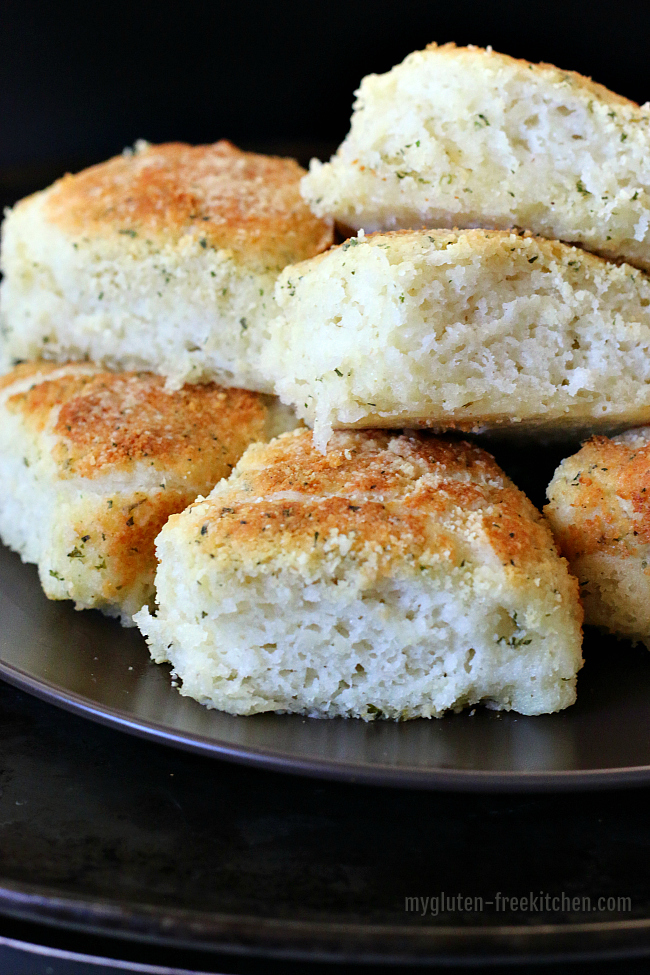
89, 664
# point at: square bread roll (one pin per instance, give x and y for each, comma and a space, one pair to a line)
599, 510
162, 259
465, 137
93, 463
395, 576
469, 330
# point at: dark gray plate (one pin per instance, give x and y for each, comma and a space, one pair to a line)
90, 665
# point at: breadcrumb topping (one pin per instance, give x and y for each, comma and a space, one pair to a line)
112, 420
402, 498
226, 198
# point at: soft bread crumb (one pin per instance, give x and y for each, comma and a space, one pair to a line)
463, 137
465, 330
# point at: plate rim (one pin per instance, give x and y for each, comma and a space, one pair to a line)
377, 774
322, 940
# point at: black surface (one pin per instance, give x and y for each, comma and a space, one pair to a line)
115, 834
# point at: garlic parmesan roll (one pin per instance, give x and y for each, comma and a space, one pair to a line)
394, 576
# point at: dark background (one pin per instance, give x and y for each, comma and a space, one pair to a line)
79, 81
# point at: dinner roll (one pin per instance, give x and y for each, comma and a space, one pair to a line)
395, 577
599, 511
464, 137
93, 463
163, 258
463, 329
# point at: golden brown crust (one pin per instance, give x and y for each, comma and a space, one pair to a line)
117, 539
406, 498
481, 241
607, 487
573, 77
223, 197
105, 422
25, 369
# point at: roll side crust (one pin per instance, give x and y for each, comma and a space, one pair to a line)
599, 511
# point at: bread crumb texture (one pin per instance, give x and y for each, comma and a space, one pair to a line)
393, 576
163, 258
93, 463
465, 329
599, 510
465, 137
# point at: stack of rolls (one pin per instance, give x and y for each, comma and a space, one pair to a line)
489, 326
136, 298
492, 277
